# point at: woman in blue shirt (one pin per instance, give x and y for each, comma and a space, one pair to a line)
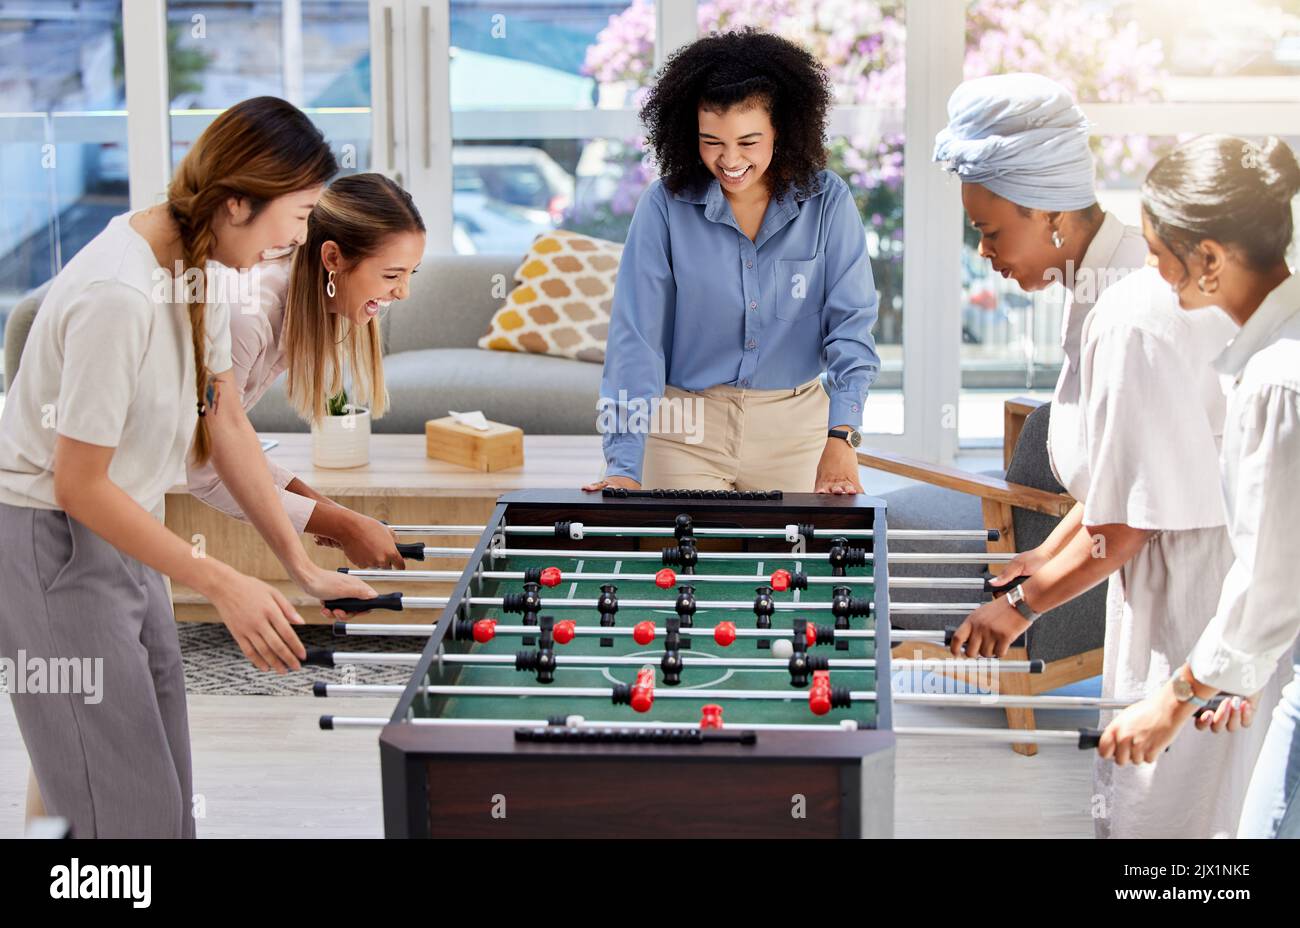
744, 277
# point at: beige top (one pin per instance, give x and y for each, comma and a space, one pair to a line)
258, 358
109, 361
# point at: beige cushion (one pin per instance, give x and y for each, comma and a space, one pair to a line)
561, 304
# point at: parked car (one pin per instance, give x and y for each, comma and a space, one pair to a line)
519, 175
504, 196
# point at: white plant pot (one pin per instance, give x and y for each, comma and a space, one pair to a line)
342, 441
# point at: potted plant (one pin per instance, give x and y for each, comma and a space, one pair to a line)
342, 438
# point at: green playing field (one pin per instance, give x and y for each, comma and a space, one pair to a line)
792, 709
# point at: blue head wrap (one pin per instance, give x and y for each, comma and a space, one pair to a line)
1022, 137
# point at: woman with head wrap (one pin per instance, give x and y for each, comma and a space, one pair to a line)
1133, 435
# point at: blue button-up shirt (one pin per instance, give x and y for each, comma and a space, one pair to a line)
697, 304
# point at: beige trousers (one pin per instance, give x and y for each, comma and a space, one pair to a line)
726, 438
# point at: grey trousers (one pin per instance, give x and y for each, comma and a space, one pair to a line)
115, 764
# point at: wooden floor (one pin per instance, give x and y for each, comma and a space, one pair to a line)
265, 769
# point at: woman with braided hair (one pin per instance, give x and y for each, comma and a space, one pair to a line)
123, 377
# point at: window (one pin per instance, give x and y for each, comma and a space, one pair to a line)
62, 136
313, 53
534, 87
1179, 68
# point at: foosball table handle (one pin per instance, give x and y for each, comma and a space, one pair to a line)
412, 551
319, 657
1003, 587
392, 601
1090, 738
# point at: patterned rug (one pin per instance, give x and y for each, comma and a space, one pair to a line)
214, 664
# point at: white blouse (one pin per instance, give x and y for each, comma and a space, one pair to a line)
1258, 615
1152, 410
1114, 252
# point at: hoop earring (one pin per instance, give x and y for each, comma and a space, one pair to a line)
1056, 238
1201, 285
330, 289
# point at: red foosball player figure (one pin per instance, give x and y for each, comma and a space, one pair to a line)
643, 690
711, 716
819, 694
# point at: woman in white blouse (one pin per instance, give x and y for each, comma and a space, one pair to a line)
317, 316
1217, 215
1133, 438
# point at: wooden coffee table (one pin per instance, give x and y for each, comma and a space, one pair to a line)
400, 485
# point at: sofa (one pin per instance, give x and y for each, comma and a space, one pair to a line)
432, 362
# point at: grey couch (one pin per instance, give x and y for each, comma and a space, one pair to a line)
432, 362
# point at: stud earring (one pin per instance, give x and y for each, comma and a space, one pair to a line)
330, 289
1056, 238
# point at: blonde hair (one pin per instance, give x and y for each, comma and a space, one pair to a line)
358, 213
256, 150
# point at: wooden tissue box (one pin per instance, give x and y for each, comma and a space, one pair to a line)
501, 447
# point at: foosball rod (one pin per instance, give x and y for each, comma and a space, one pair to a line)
396, 602
1082, 738
790, 533
323, 657
330, 722
321, 688
420, 553
451, 576
376, 629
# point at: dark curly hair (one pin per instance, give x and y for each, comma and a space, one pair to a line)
722, 70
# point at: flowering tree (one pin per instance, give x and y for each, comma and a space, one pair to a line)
861, 45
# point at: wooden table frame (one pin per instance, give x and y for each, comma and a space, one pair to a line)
400, 485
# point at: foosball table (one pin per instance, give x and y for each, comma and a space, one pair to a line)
655, 663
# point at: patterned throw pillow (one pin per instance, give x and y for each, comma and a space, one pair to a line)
561, 304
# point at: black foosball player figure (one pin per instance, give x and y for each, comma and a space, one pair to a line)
529, 602
802, 664
764, 606
607, 606
844, 605
685, 555
683, 527
542, 660
842, 556
671, 664
685, 605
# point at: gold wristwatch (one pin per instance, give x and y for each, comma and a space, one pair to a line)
1183, 691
